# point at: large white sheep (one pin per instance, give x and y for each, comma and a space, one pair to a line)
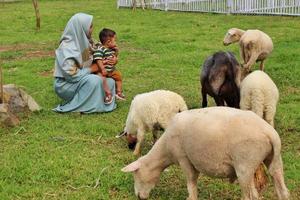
151, 111
255, 45
218, 141
259, 94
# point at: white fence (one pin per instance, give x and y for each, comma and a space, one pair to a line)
268, 7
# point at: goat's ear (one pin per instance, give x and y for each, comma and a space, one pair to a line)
132, 166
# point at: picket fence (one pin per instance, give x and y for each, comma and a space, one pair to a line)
266, 7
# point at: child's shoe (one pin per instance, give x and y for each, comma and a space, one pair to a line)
108, 99
120, 96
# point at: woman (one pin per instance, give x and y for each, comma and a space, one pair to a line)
74, 83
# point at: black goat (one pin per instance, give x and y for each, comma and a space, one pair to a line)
220, 78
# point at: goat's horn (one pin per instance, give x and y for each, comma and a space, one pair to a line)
123, 133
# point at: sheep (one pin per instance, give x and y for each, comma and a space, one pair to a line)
259, 94
221, 142
220, 78
150, 112
255, 45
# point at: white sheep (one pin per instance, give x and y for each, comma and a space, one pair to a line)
218, 141
259, 94
151, 111
255, 45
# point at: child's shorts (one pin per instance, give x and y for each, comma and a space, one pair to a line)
116, 75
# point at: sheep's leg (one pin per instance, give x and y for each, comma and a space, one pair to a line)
246, 182
280, 187
155, 135
269, 114
262, 66
192, 176
242, 53
204, 97
140, 139
251, 61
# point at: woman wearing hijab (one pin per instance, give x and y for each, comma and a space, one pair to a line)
74, 82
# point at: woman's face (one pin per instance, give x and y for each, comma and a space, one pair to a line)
90, 31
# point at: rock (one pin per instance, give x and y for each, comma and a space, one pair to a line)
16, 101
6, 117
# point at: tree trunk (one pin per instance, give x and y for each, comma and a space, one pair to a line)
1, 86
37, 14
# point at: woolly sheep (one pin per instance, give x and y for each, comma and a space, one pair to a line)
218, 141
220, 78
151, 111
255, 45
259, 94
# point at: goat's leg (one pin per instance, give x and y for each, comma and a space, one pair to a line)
140, 139
219, 101
204, 97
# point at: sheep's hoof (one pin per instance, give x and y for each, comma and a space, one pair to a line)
136, 153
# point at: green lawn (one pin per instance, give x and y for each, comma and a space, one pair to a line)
63, 156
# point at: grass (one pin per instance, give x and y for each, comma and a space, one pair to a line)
63, 156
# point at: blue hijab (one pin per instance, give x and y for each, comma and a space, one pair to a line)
74, 42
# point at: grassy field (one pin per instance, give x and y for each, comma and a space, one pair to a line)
72, 156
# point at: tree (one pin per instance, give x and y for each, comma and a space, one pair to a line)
1, 86
37, 14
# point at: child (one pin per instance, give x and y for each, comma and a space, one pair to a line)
104, 51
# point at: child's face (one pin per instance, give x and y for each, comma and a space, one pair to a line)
112, 43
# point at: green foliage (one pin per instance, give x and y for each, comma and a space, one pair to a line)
62, 156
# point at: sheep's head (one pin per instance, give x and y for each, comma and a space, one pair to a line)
232, 36
131, 139
144, 179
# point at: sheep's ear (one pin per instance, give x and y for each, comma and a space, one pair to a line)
132, 166
121, 134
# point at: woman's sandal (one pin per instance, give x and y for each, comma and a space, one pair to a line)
108, 99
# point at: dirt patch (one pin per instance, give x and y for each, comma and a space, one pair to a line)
39, 54
19, 47
46, 73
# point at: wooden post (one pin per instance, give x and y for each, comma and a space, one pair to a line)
1, 86
37, 14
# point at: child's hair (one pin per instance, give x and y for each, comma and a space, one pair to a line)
105, 34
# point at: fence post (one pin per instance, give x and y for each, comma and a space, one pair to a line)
229, 6
166, 5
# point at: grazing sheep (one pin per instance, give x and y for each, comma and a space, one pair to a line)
218, 141
259, 94
255, 45
220, 78
150, 111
